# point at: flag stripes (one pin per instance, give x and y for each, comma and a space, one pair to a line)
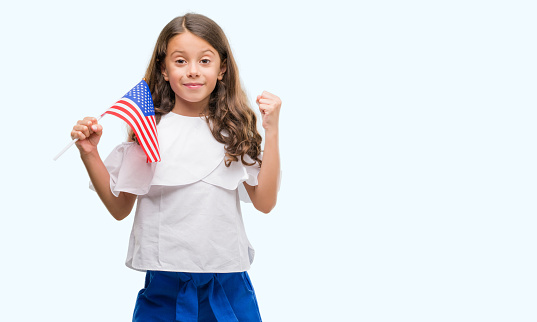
140, 116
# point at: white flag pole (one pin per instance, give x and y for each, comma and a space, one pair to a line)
70, 144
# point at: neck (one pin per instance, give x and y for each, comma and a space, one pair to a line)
186, 108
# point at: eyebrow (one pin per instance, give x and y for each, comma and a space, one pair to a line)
182, 51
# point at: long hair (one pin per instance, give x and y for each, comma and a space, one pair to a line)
230, 118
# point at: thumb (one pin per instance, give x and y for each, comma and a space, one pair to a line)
97, 129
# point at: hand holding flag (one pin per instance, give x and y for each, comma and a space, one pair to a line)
88, 133
137, 109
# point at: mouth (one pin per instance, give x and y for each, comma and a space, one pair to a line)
193, 85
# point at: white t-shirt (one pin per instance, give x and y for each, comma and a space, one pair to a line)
188, 216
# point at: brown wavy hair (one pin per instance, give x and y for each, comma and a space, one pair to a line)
230, 117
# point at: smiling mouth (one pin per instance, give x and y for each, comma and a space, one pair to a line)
193, 85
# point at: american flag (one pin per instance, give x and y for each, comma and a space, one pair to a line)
136, 108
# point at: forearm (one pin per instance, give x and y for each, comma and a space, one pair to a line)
119, 207
266, 191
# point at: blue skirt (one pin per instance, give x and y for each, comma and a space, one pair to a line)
193, 297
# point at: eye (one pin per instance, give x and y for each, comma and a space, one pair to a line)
205, 61
180, 61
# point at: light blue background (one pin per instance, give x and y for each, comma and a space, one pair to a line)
407, 143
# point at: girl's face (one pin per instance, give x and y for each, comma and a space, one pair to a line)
192, 67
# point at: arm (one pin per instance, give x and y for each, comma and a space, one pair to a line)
89, 132
265, 194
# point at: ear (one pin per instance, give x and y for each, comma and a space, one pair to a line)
164, 73
223, 69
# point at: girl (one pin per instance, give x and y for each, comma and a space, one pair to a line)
188, 234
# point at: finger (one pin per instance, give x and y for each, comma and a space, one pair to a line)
83, 129
97, 129
85, 120
77, 135
266, 101
263, 109
266, 94
88, 121
275, 99
91, 119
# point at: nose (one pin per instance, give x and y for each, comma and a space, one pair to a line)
193, 70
